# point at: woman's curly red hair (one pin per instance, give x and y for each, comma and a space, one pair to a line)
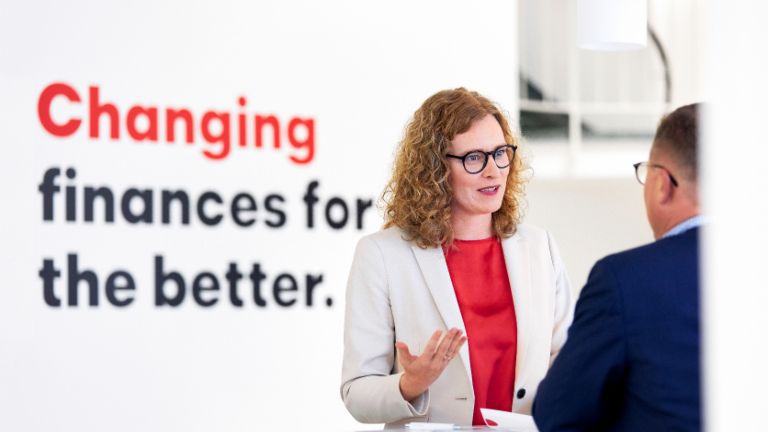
417, 199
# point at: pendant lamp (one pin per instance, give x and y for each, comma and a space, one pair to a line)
612, 25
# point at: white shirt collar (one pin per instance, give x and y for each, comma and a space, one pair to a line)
685, 225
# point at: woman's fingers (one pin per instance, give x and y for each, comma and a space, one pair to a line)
456, 345
432, 344
422, 370
444, 350
440, 348
405, 354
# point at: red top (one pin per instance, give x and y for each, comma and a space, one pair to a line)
479, 276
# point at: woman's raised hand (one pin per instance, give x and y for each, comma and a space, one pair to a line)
421, 371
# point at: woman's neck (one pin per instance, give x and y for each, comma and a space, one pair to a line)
472, 227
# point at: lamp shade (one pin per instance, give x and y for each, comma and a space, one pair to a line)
612, 25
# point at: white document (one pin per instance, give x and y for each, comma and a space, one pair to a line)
424, 426
508, 421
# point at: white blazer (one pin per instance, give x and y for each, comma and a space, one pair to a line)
398, 291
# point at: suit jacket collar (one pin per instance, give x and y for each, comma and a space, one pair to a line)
518, 260
435, 272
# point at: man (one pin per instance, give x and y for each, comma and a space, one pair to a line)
631, 362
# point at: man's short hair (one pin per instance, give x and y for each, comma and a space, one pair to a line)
677, 136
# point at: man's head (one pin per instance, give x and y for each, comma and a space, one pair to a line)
671, 191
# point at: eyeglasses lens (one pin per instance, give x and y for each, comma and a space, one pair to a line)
642, 173
475, 162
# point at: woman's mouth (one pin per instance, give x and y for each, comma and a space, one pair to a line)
490, 190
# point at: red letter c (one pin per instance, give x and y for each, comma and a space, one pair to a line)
44, 109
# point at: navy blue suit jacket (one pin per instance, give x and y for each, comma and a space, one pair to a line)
631, 362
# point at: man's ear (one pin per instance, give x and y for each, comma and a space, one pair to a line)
665, 188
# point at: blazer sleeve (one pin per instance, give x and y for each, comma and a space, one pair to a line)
563, 304
585, 379
370, 389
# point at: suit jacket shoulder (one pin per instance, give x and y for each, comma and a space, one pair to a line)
666, 253
631, 362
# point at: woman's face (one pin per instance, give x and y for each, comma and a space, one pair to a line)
481, 193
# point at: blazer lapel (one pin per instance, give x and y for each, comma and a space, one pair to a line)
517, 258
435, 272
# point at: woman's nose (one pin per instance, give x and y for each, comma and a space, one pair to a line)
491, 169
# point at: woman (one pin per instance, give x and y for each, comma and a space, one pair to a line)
453, 274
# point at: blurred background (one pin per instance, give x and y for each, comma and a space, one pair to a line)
336, 82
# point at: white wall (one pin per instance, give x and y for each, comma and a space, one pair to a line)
589, 218
358, 69
735, 152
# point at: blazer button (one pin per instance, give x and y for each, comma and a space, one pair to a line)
521, 393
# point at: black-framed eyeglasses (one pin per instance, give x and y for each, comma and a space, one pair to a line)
476, 160
641, 172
